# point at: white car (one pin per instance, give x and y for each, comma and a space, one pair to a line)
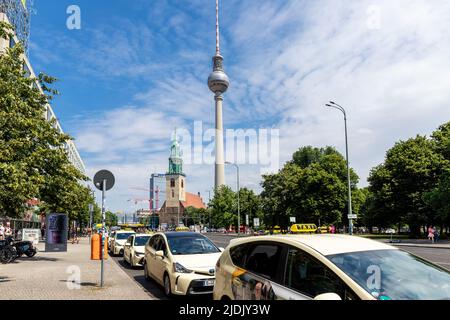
183, 262
134, 249
118, 241
325, 267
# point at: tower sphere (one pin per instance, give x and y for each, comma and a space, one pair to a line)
218, 82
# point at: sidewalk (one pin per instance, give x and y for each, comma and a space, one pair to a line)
419, 243
48, 276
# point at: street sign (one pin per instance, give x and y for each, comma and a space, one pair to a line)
352, 216
292, 219
256, 222
104, 181
104, 175
246, 220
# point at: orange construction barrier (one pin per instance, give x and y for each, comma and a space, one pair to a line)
96, 247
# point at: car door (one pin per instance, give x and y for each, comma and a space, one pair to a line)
305, 277
160, 263
127, 248
151, 259
261, 272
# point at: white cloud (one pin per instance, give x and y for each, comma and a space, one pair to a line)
285, 61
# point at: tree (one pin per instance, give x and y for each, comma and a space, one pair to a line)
411, 169
222, 206
312, 186
33, 162
250, 205
111, 219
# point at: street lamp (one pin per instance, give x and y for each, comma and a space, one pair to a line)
350, 220
238, 188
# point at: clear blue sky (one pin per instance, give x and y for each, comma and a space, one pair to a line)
138, 69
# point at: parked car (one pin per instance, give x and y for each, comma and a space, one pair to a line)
325, 267
182, 262
134, 249
118, 241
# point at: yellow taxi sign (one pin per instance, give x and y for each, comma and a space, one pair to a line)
304, 228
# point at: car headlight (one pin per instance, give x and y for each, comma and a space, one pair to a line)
178, 268
138, 254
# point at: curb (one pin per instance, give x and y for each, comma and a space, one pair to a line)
418, 245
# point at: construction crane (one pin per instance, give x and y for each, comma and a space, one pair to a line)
157, 192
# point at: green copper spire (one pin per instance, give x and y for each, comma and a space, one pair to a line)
175, 160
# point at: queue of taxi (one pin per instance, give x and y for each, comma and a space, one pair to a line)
302, 265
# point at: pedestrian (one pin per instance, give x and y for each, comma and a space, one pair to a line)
2, 231
431, 234
8, 231
436, 234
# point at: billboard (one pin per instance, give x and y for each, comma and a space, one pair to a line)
57, 231
31, 235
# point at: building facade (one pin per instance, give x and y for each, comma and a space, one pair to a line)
72, 152
157, 191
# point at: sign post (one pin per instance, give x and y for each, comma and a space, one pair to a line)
104, 181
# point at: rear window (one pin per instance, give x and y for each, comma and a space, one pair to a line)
238, 255
263, 259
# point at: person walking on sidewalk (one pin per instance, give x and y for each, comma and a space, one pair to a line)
2, 231
436, 234
431, 234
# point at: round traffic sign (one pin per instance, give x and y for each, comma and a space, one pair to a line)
104, 175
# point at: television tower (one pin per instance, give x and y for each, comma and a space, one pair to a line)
218, 83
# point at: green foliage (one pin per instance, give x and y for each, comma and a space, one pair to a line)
400, 187
312, 186
111, 219
33, 160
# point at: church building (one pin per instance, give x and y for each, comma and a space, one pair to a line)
177, 199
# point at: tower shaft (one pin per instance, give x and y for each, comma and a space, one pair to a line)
220, 159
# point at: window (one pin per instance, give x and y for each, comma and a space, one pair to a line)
263, 260
152, 242
129, 240
182, 183
310, 277
173, 194
238, 255
172, 183
12, 43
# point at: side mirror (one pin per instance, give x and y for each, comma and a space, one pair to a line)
159, 253
221, 249
328, 296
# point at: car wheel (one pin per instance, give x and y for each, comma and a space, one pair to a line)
146, 275
167, 289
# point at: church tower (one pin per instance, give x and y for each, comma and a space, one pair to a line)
175, 178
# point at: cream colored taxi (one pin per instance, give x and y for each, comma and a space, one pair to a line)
325, 267
182, 262
118, 241
134, 249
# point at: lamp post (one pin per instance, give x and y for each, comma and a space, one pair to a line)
350, 220
238, 189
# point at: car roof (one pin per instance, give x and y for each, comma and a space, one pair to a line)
325, 244
142, 235
125, 231
177, 234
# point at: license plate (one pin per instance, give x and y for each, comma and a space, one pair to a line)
208, 283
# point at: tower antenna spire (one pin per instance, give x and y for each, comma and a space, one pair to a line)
217, 29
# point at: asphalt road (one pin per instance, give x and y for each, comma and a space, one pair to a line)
155, 291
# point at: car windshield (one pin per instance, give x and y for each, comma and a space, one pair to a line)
123, 236
395, 275
191, 245
141, 241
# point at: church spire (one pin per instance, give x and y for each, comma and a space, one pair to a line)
175, 159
